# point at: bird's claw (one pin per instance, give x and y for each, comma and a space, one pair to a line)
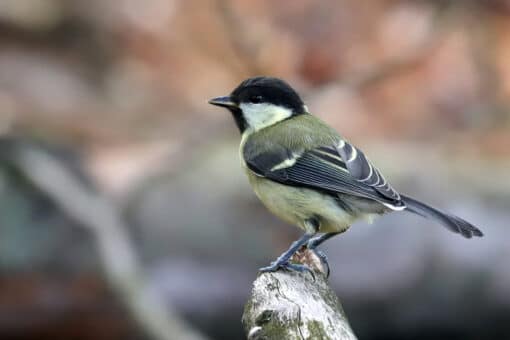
312, 246
324, 260
275, 266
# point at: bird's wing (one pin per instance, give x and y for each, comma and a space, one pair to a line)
360, 168
340, 168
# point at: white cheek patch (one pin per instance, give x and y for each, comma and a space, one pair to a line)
262, 115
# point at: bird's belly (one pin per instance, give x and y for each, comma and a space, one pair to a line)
296, 205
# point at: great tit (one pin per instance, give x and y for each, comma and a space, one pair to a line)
304, 172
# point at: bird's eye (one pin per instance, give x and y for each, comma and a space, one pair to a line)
256, 99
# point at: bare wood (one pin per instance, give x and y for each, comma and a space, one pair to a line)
290, 305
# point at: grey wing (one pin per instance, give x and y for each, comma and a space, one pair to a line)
361, 169
321, 169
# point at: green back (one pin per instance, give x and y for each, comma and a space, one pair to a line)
300, 133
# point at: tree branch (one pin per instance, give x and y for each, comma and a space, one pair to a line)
101, 218
290, 305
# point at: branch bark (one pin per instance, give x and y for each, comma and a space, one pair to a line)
291, 305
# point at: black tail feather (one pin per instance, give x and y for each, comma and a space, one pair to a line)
453, 223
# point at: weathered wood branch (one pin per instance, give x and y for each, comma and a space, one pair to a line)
291, 305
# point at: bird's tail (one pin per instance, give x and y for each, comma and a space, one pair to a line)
453, 223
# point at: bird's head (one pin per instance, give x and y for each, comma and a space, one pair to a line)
260, 102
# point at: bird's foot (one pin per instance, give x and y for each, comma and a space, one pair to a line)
312, 246
324, 260
275, 266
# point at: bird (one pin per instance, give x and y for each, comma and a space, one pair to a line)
306, 174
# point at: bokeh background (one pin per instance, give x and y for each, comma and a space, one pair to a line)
121, 197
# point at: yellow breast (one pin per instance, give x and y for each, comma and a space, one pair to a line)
296, 205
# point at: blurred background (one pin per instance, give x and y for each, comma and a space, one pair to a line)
123, 210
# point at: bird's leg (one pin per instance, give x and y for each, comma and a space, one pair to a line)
315, 242
311, 226
283, 260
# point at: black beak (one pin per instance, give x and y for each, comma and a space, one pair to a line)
223, 101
